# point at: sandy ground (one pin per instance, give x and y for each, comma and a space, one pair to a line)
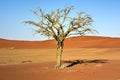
82, 64
85, 58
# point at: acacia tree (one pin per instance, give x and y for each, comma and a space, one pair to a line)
59, 25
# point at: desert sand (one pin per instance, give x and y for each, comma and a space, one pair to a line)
86, 58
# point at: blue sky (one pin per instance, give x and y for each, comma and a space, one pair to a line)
105, 13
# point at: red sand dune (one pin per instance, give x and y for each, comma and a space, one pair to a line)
73, 42
34, 60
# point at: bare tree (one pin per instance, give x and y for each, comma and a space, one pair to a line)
59, 25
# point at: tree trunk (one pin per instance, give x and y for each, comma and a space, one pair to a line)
59, 54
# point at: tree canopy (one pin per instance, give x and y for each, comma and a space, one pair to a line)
59, 25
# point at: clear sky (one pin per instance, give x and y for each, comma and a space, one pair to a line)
105, 13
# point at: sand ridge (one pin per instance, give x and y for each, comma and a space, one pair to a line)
73, 42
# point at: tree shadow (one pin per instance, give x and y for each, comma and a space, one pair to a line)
76, 62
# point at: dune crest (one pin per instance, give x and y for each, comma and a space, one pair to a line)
73, 42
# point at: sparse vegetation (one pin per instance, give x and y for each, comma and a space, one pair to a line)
59, 25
